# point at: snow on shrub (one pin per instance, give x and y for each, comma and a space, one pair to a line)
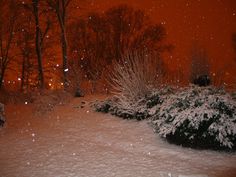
142, 108
194, 117
198, 117
127, 111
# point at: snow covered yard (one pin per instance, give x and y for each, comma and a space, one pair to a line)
75, 141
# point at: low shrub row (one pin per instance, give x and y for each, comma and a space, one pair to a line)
194, 117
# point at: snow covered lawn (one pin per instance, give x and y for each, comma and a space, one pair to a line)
72, 141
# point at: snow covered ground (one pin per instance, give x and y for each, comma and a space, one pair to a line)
74, 141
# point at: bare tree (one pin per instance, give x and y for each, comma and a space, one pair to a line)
124, 22
60, 8
100, 39
7, 26
234, 42
234, 46
200, 69
38, 8
38, 41
26, 44
39, 37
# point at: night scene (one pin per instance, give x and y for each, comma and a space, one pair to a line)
122, 88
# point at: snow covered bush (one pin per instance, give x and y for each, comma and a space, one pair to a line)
195, 117
143, 108
103, 106
126, 111
198, 117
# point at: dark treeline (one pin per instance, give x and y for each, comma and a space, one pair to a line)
28, 30
46, 44
31, 32
102, 38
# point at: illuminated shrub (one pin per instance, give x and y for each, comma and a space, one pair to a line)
198, 117
133, 78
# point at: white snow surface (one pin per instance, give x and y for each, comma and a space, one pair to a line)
72, 141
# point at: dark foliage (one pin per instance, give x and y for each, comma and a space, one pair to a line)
78, 93
2, 115
202, 81
200, 66
153, 100
112, 107
103, 106
103, 38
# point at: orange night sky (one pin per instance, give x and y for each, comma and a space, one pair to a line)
210, 23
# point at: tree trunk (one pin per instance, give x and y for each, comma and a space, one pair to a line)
2, 76
64, 56
1, 79
23, 74
60, 7
38, 44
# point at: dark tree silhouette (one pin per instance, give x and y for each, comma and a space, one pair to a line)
38, 9
60, 8
234, 42
101, 38
200, 74
25, 39
7, 27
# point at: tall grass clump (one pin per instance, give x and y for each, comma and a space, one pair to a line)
134, 77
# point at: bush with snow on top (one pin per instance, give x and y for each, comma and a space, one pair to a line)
198, 117
194, 117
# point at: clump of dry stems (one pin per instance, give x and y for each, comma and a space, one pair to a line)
134, 76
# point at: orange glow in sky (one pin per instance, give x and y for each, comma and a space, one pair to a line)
209, 23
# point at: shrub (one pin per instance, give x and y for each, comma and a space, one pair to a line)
140, 112
202, 80
143, 108
198, 117
133, 78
